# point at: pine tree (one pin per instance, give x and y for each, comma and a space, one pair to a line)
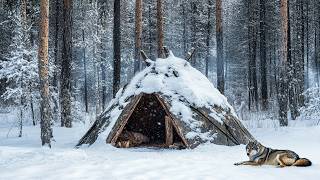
160, 28
65, 91
45, 110
285, 56
219, 39
116, 47
138, 34
252, 69
20, 67
263, 56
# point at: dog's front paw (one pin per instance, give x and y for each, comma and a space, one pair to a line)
237, 164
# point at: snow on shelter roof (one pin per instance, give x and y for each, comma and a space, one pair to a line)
175, 78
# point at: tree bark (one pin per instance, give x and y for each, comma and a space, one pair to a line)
252, 66
57, 56
184, 32
306, 18
194, 29
65, 92
56, 43
160, 28
317, 40
263, 56
45, 110
116, 47
138, 35
208, 36
85, 74
219, 38
283, 79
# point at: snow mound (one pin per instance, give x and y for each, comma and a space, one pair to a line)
185, 86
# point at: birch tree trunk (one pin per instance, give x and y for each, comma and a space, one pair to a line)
45, 109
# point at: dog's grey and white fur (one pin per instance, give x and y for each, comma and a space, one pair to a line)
261, 155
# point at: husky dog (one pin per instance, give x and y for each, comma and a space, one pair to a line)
130, 139
260, 155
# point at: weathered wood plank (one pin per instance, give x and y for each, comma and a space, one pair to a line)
169, 131
178, 129
123, 119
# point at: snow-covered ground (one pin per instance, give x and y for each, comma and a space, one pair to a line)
24, 158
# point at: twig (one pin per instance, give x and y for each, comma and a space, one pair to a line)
190, 54
10, 130
144, 57
166, 51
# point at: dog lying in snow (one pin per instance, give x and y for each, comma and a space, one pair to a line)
260, 155
130, 139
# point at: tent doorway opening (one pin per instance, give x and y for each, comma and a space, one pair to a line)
150, 126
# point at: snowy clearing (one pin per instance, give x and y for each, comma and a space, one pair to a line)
24, 158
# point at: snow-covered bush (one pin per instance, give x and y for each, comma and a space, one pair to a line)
311, 111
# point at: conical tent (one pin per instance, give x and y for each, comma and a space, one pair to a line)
168, 103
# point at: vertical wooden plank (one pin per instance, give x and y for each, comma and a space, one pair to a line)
169, 132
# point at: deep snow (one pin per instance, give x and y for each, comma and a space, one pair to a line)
24, 158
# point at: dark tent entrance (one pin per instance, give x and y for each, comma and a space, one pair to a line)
150, 125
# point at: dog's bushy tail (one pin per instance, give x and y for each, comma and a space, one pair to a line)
303, 162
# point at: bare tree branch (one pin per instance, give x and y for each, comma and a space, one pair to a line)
190, 53
144, 57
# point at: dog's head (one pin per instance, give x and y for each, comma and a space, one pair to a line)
253, 148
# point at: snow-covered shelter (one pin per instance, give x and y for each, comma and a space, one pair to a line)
169, 102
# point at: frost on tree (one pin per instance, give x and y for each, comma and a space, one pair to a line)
20, 68
168, 103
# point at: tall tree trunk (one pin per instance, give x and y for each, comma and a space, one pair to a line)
160, 28
283, 79
297, 63
138, 35
263, 56
150, 33
219, 38
184, 32
292, 67
317, 40
21, 116
307, 48
85, 74
45, 110
252, 66
23, 11
103, 54
57, 42
32, 111
65, 92
208, 36
116, 47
